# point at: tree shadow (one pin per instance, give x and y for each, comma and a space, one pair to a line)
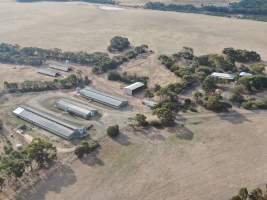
62, 177
92, 159
185, 134
122, 139
234, 117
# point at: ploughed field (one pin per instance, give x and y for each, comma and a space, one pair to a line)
81, 26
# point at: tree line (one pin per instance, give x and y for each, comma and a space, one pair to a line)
100, 61
245, 7
72, 81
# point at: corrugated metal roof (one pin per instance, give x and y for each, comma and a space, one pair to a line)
102, 97
223, 75
76, 108
49, 123
135, 86
44, 123
245, 74
62, 67
48, 72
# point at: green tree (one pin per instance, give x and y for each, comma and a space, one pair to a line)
41, 151
165, 114
209, 84
140, 120
113, 131
118, 43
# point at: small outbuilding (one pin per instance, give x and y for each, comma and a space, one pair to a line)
224, 76
245, 74
133, 88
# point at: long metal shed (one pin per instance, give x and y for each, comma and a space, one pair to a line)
61, 67
103, 98
48, 72
76, 108
50, 123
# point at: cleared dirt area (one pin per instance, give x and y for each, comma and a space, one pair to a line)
219, 158
73, 26
15, 73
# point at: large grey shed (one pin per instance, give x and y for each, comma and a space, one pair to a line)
76, 108
103, 98
60, 66
48, 72
133, 88
50, 123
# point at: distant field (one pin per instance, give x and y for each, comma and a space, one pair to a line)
79, 26
194, 2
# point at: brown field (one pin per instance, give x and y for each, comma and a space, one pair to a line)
194, 2
217, 155
14, 73
73, 26
222, 155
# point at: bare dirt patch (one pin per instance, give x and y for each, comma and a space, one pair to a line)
15, 73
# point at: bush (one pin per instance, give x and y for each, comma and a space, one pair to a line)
113, 131
118, 44
85, 148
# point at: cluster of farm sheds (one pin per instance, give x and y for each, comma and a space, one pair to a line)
69, 131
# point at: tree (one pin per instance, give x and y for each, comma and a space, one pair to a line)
209, 84
41, 151
85, 148
2, 182
165, 114
140, 120
119, 44
113, 131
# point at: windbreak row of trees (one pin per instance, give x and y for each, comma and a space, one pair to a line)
246, 7
69, 82
101, 62
125, 78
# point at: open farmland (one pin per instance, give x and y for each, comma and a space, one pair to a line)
200, 155
74, 26
213, 165
194, 2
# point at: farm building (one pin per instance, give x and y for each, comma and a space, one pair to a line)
245, 74
50, 123
133, 88
75, 108
149, 103
223, 76
60, 66
48, 72
103, 98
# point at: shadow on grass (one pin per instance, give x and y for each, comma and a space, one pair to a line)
60, 179
184, 134
92, 158
234, 117
122, 139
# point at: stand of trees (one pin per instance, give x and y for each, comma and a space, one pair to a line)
243, 56
256, 194
37, 155
245, 7
125, 78
72, 81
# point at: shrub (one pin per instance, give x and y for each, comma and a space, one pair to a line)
119, 44
113, 131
